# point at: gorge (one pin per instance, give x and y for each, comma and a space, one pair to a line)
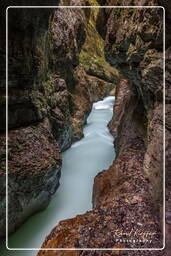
95, 153
61, 61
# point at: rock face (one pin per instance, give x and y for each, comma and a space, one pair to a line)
168, 151
49, 98
129, 195
92, 53
34, 172
38, 113
89, 89
120, 197
139, 54
144, 57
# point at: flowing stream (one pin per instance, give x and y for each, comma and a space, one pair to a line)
81, 163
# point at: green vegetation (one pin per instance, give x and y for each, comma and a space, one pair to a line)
65, 2
92, 54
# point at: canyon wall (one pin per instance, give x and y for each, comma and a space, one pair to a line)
128, 197
49, 97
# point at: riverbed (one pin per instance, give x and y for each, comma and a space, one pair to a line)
81, 163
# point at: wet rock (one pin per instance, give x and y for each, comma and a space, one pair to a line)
34, 165
121, 195
92, 56
129, 194
89, 89
48, 102
138, 54
39, 114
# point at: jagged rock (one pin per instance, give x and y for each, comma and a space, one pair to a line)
34, 165
120, 196
89, 89
130, 191
46, 95
39, 112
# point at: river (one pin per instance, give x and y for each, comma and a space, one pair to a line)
81, 163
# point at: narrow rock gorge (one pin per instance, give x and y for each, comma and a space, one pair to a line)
50, 94
61, 61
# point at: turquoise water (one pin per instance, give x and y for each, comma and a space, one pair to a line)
81, 163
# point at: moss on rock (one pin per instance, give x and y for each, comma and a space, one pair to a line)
92, 54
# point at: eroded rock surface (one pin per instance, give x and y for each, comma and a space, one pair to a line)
48, 101
128, 196
38, 94
34, 171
